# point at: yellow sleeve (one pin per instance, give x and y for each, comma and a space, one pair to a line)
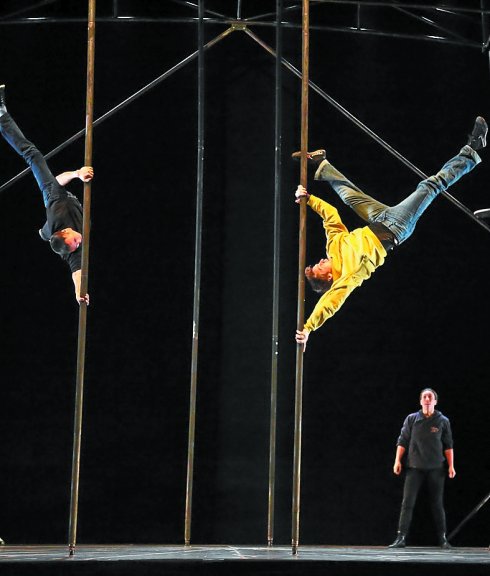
331, 301
331, 219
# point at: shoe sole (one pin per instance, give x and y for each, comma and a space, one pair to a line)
483, 213
316, 157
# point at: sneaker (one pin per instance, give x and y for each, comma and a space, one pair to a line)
314, 158
482, 213
478, 137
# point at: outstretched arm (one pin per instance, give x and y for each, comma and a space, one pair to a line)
330, 302
77, 280
85, 174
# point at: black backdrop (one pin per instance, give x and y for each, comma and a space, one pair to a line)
420, 321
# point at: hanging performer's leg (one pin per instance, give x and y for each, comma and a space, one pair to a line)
402, 218
369, 209
12, 134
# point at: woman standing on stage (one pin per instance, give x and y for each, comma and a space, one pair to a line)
427, 437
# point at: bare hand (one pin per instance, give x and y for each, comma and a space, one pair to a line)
302, 337
451, 472
85, 299
300, 193
86, 173
397, 468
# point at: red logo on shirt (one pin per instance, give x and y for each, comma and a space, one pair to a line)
434, 429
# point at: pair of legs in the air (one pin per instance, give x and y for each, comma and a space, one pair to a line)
402, 218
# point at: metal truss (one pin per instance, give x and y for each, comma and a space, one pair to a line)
464, 24
460, 22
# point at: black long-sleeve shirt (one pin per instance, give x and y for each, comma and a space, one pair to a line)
65, 211
426, 439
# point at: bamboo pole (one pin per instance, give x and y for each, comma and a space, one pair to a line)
275, 280
301, 284
197, 277
82, 318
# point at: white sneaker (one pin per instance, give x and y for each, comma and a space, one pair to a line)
483, 213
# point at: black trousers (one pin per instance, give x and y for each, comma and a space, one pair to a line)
414, 479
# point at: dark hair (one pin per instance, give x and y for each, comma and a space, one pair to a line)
58, 244
319, 286
428, 390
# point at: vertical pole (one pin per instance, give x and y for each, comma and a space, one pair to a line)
301, 283
484, 30
197, 277
484, 27
82, 318
483, 23
275, 279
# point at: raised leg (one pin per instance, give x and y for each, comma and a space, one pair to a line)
46, 182
368, 208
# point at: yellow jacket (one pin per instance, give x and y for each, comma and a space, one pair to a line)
354, 255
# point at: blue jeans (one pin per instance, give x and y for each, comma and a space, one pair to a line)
414, 479
47, 183
402, 218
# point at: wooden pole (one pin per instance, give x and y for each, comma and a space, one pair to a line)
301, 284
82, 318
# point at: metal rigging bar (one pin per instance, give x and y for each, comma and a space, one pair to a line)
275, 278
197, 276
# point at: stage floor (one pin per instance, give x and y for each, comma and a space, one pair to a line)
167, 559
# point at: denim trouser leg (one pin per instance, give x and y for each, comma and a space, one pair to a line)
369, 209
45, 180
402, 218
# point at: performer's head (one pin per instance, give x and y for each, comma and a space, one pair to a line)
428, 399
65, 241
319, 275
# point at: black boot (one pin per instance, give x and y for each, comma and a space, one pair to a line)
478, 137
3, 106
443, 543
399, 542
